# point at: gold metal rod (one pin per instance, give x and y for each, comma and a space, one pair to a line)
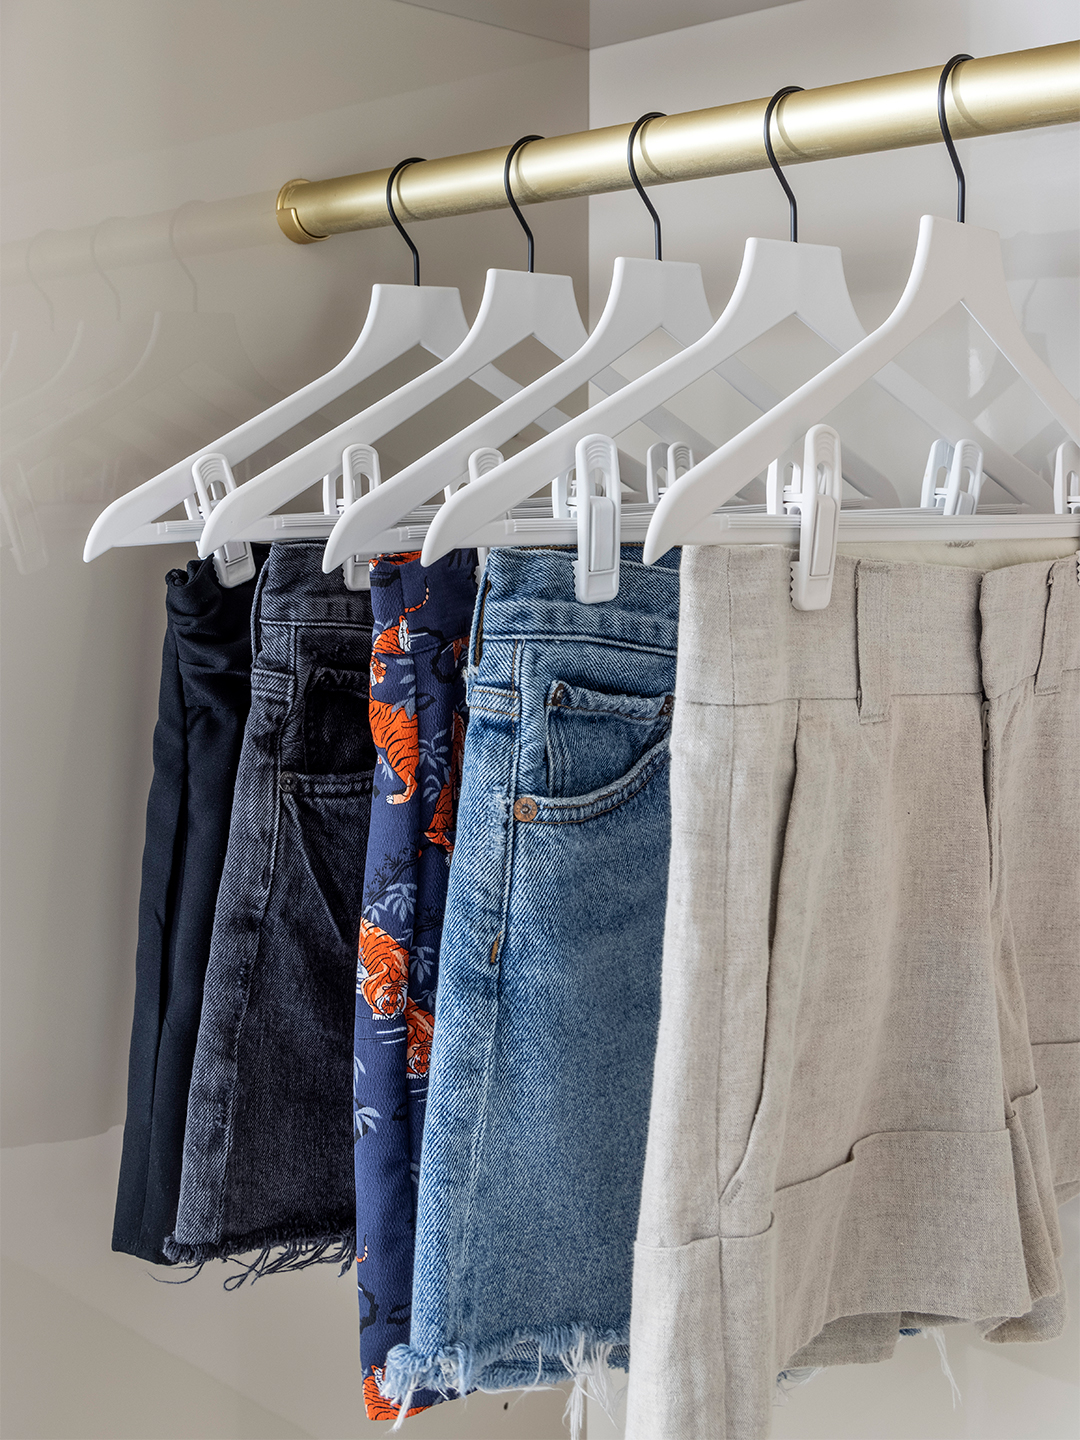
1018, 91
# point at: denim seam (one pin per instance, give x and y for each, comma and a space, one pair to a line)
480, 1132
563, 637
618, 798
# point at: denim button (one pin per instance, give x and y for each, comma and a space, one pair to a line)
668, 706
287, 783
526, 808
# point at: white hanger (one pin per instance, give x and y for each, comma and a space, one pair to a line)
954, 263
399, 318
515, 305
645, 295
778, 279
1067, 478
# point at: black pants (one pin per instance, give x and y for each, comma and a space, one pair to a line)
204, 701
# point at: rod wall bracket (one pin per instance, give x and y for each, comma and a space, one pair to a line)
288, 219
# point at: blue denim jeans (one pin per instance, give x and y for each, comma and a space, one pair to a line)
549, 983
268, 1156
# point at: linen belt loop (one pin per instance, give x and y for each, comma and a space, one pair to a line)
1052, 659
873, 586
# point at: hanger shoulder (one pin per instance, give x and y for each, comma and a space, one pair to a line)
953, 263
645, 295
399, 318
514, 306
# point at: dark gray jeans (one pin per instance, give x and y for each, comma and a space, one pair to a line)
268, 1162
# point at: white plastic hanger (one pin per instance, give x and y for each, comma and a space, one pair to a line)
1067, 478
645, 296
778, 279
515, 305
399, 318
955, 263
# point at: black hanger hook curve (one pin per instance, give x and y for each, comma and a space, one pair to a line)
793, 205
394, 173
961, 183
652, 115
507, 163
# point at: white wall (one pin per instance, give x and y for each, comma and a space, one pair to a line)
1025, 187
118, 107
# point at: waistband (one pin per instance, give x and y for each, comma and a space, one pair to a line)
435, 602
1030, 625
292, 589
529, 595
889, 629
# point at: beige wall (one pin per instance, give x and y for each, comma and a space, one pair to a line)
128, 108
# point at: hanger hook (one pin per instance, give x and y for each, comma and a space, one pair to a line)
517, 145
394, 173
793, 205
98, 265
961, 183
652, 115
176, 253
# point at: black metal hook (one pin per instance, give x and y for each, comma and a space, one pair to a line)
652, 115
517, 145
961, 183
793, 206
394, 173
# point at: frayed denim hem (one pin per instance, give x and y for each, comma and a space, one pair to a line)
566, 1352
279, 1251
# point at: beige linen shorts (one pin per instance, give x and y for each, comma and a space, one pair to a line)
871, 964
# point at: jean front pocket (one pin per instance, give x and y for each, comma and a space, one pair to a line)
594, 739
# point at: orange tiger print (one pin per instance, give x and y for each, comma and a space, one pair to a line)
420, 1027
395, 639
397, 738
384, 972
376, 1403
442, 821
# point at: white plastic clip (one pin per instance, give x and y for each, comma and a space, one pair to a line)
663, 466
234, 562
599, 515
360, 473
947, 468
480, 462
818, 505
782, 481
1067, 479
563, 498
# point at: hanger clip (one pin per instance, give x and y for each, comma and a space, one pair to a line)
947, 469
480, 462
663, 466
233, 563
360, 474
815, 495
598, 503
1067, 479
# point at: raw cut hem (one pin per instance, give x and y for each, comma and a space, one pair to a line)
278, 1252
520, 1360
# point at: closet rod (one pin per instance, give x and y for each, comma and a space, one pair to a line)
1016, 91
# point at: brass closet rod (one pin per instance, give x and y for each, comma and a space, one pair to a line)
1017, 91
